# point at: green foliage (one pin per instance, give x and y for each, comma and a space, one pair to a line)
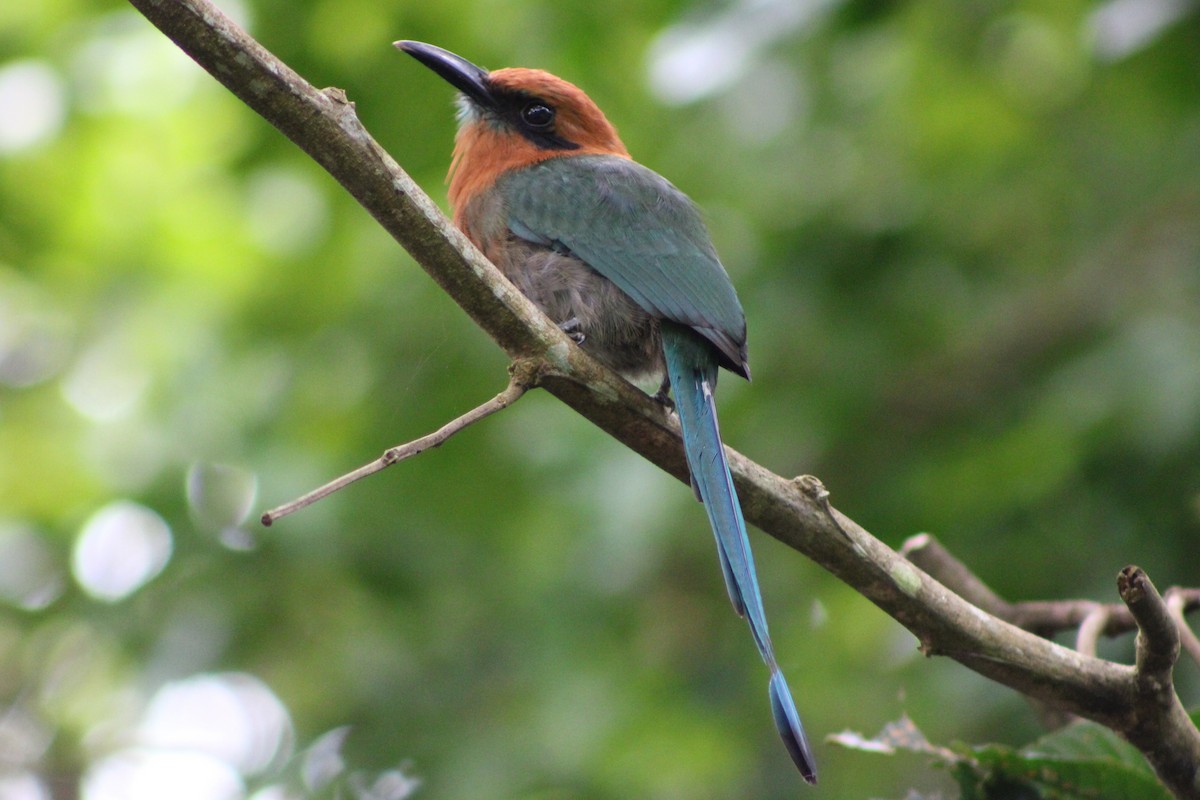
965, 237
1083, 761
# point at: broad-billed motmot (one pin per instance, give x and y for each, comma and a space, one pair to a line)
622, 261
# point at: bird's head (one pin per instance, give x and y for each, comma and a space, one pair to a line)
513, 118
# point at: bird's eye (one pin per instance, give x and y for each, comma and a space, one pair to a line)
538, 115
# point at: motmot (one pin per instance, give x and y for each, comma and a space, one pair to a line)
622, 261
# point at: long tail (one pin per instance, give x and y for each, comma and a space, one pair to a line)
692, 369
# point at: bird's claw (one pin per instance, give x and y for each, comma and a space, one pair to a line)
663, 395
571, 329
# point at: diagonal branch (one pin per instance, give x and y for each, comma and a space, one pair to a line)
324, 125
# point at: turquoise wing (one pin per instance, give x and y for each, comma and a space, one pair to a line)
636, 229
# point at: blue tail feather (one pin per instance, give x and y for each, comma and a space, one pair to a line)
692, 370
692, 381
787, 722
731, 586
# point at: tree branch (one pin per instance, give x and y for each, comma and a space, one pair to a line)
324, 125
1158, 724
1179, 601
1089, 619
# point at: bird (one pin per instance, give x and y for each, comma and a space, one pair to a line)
623, 263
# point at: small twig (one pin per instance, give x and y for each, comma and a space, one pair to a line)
812, 488
1092, 628
927, 552
1160, 727
1177, 606
516, 388
1158, 637
1048, 617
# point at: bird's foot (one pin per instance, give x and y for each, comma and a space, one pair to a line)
663, 395
571, 328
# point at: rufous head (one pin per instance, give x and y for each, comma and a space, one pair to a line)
513, 118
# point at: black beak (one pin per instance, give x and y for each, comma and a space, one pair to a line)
456, 70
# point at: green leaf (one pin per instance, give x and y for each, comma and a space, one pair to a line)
1083, 761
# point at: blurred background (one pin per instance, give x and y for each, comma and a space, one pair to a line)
967, 238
